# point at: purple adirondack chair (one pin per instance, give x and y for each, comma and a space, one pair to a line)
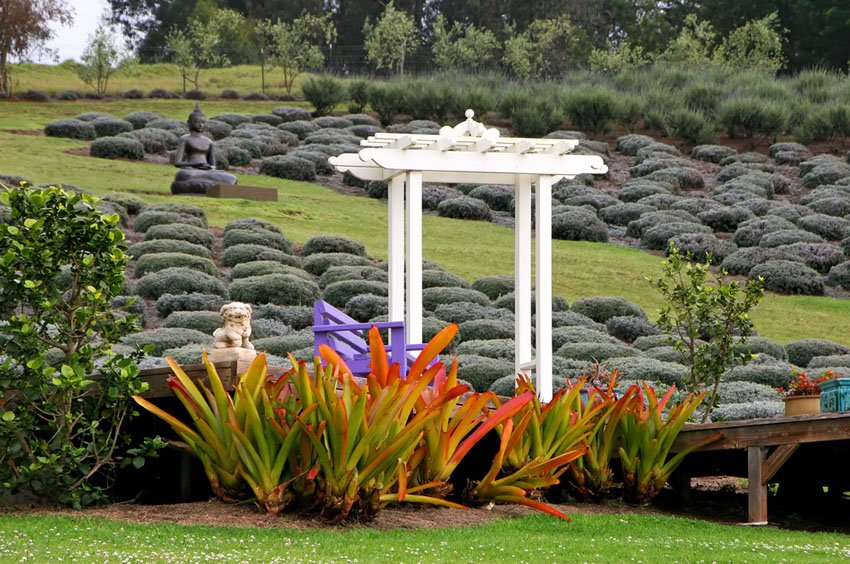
348, 338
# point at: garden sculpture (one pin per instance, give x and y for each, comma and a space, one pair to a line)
196, 160
236, 327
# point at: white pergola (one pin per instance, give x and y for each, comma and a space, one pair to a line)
471, 153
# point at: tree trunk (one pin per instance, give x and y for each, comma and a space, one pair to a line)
4, 76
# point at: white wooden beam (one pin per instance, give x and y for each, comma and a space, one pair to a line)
543, 282
395, 248
559, 148
522, 276
414, 256
519, 147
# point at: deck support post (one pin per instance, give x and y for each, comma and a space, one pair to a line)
760, 469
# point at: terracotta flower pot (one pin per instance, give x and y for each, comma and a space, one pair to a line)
801, 405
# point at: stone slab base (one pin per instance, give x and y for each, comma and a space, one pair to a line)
243, 357
244, 192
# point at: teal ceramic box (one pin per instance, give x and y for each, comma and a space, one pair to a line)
835, 395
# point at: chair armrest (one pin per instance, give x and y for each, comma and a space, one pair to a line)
357, 326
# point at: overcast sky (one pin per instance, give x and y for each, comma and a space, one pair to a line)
69, 41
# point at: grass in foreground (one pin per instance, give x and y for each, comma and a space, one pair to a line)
596, 538
579, 268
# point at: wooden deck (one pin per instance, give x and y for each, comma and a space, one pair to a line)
769, 443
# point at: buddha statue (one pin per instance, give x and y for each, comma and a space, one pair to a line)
196, 160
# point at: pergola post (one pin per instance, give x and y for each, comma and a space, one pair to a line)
522, 276
395, 247
543, 282
414, 256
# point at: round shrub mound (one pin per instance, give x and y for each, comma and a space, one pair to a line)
632, 143
465, 207
634, 191
130, 202
160, 261
761, 345
433, 297
288, 166
837, 206
499, 198
147, 219
726, 218
341, 273
802, 351
432, 195
573, 319
623, 214
253, 224
627, 328
280, 289
261, 328
842, 360
156, 141
818, 256
775, 375
176, 280
140, 120
648, 342
190, 233
508, 302
703, 247
787, 277
712, 153
494, 286
297, 317
839, 275
459, 312
491, 348
578, 334
364, 307
441, 278
761, 409
827, 226
163, 339
204, 321
746, 392
595, 201
174, 125
603, 308
290, 113
482, 374
238, 254
649, 220
333, 244
142, 248
787, 237
300, 128
338, 293
252, 237
318, 263
263, 267
743, 260
660, 201
70, 128
167, 304
486, 330
178, 207
649, 369
685, 178
750, 232
110, 126
658, 237
333, 122
574, 224
595, 351
319, 159
285, 344
117, 148
666, 353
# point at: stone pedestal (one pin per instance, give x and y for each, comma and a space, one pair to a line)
243, 357
257, 193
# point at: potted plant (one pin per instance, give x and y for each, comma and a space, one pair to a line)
803, 394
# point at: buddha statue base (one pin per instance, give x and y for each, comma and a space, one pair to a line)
196, 187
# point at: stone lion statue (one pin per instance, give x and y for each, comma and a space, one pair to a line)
236, 327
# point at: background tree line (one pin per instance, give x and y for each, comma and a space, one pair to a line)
813, 32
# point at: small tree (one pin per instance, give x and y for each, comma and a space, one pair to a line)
616, 59
543, 50
694, 45
755, 45
61, 263
101, 58
702, 319
297, 47
389, 40
24, 26
458, 48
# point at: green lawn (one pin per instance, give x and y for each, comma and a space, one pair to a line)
596, 538
467, 248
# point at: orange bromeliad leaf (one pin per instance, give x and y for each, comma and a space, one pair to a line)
434, 348
378, 356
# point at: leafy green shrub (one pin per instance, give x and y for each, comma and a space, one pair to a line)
68, 96
595, 351
263, 267
324, 92
284, 344
318, 263
338, 293
747, 117
659, 236
364, 307
163, 338
536, 119
761, 409
386, 101
491, 348
465, 207
493, 286
603, 308
750, 232
649, 369
788, 237
290, 113
575, 224
155, 262
433, 297
34, 95
178, 279
333, 244
712, 153
627, 328
142, 248
761, 345
289, 167
775, 375
181, 232
70, 128
238, 254
508, 302
140, 120
459, 312
297, 317
693, 127
280, 289
826, 123
257, 237
787, 277
818, 256
204, 321
117, 148
591, 108
167, 304
485, 330
147, 219
829, 227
